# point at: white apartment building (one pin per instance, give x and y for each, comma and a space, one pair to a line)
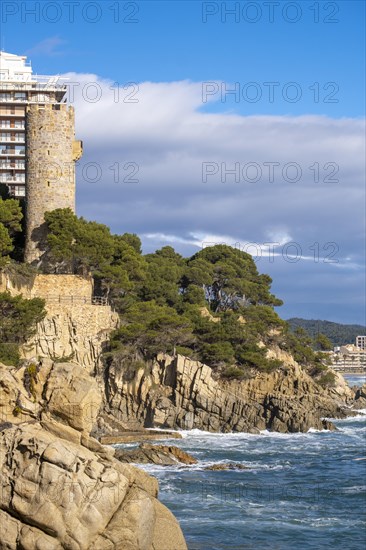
349, 358
19, 87
361, 342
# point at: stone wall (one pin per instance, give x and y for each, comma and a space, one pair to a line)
73, 328
50, 287
50, 169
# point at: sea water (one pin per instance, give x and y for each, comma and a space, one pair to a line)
298, 491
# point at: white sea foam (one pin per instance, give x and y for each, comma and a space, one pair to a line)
354, 490
361, 415
195, 433
315, 431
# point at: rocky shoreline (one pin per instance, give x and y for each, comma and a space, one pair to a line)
178, 393
61, 488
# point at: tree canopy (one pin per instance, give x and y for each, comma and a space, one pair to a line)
229, 278
213, 306
18, 320
10, 224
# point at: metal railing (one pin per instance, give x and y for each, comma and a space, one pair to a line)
76, 300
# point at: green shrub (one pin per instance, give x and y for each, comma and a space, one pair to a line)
64, 358
187, 352
19, 317
233, 373
327, 380
9, 354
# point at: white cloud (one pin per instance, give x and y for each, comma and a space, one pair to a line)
48, 47
167, 138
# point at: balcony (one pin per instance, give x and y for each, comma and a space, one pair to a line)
17, 191
15, 128
11, 179
43, 99
36, 82
12, 152
18, 114
20, 139
11, 166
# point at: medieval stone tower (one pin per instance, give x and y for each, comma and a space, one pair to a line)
37, 146
50, 168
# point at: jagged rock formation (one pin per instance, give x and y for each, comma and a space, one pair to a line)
62, 489
361, 397
183, 394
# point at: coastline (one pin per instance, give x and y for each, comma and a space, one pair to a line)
313, 478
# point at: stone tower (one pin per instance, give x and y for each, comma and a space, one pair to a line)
50, 169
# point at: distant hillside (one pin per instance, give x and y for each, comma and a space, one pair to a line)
337, 333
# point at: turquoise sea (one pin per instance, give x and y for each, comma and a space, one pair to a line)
299, 491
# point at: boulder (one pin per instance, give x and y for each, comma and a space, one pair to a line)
57, 493
61, 391
73, 396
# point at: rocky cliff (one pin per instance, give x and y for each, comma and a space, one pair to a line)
170, 393
184, 394
60, 488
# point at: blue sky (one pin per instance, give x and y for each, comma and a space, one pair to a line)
182, 57
170, 42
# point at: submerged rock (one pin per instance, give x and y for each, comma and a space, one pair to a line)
227, 466
155, 454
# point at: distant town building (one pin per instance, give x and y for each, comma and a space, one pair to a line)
349, 358
361, 342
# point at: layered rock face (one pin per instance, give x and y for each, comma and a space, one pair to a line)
59, 487
74, 326
183, 394
72, 331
